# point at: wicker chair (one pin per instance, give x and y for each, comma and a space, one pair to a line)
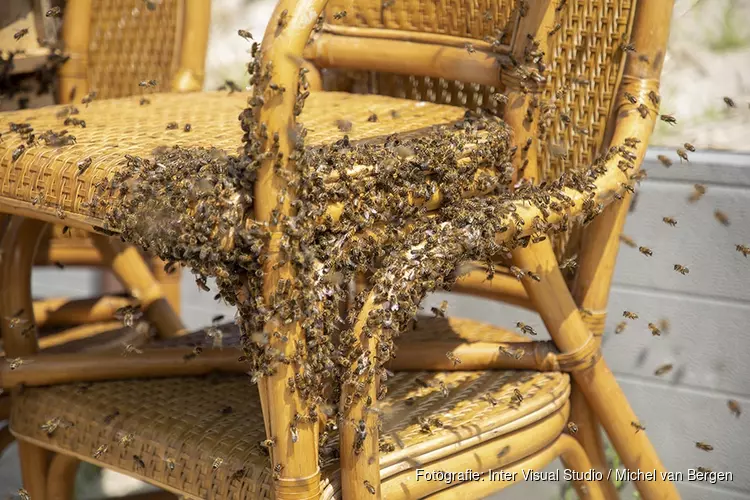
200, 436
113, 46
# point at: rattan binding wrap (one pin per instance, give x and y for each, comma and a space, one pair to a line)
131, 43
195, 421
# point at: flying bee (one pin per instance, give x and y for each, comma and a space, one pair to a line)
681, 269
664, 161
646, 251
638, 426
654, 98
627, 47
148, 83
23, 494
88, 98
620, 327
216, 335
344, 125
101, 450
628, 241
172, 126
705, 470
569, 263
669, 119
663, 370
16, 363
245, 34
721, 217
734, 407
743, 249
703, 446
629, 315
453, 358
670, 221
572, 428
698, 191
655, 330
730, 102
128, 315
525, 328
370, 487
144, 101
131, 349
20, 33
683, 155
439, 312
689, 147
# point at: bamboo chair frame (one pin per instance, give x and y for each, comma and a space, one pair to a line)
596, 396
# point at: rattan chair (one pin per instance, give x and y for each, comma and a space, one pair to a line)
113, 46
199, 436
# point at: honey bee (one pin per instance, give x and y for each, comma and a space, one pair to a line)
517, 272
344, 125
101, 450
527, 329
53, 12
629, 315
628, 241
124, 438
372, 118
655, 98
469, 48
148, 83
453, 358
20, 33
572, 428
16, 363
682, 154
128, 315
187, 127
143, 101
664, 161
443, 389
554, 29
569, 263
172, 126
655, 330
630, 97
670, 221
268, 443
139, 462
18, 152
628, 47
277, 471
339, 15
620, 327
517, 397
245, 34
370, 487
283, 19
218, 461
499, 98
668, 119
663, 370
643, 110
703, 446
681, 269
51, 425
721, 217
730, 102
734, 407
439, 312
743, 249
490, 399
698, 191
83, 165
638, 426
88, 98
646, 251
689, 147
23, 494
171, 464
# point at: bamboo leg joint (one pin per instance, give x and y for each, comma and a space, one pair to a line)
595, 321
582, 358
298, 488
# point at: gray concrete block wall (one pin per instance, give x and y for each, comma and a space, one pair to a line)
708, 311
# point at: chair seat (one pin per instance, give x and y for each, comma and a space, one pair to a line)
200, 436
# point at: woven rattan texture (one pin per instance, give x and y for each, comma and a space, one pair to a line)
131, 43
116, 127
475, 19
191, 422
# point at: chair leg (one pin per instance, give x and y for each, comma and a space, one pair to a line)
590, 438
6, 438
574, 458
557, 308
34, 468
133, 272
61, 477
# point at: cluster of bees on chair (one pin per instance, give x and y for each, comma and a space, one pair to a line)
384, 231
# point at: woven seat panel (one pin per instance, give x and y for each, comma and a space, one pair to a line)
117, 127
190, 422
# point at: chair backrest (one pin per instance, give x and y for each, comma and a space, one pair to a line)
462, 51
116, 44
